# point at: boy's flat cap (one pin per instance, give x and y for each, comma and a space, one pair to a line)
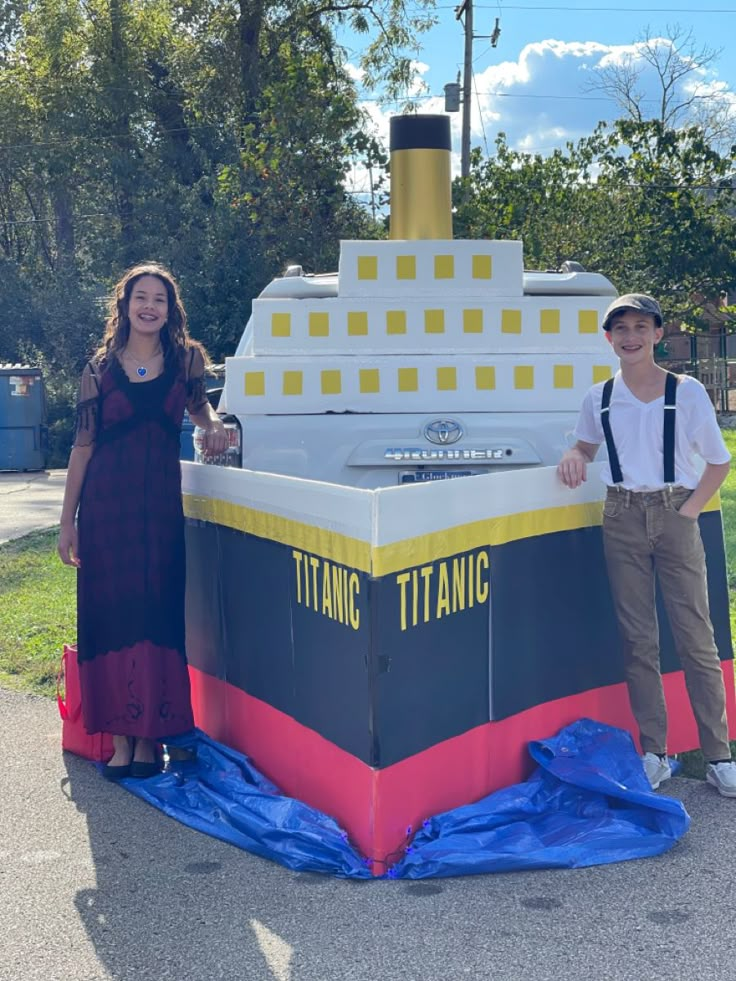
634, 301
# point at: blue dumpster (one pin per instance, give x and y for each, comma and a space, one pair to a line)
22, 418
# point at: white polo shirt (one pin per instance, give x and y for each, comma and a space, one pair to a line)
638, 428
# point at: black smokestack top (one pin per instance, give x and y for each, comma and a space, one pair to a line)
420, 133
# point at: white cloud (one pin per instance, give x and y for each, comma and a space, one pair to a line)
354, 71
540, 101
418, 85
545, 98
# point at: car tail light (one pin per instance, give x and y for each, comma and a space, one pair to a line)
230, 458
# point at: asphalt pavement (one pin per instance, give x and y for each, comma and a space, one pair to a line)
29, 501
96, 885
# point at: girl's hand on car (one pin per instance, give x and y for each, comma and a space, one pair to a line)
215, 439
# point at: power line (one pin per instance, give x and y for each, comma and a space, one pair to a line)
47, 144
480, 113
483, 53
358, 192
46, 221
8, 223
538, 95
604, 10
494, 93
97, 139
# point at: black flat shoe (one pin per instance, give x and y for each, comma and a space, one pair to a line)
142, 771
116, 772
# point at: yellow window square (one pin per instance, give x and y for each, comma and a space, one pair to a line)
587, 322
369, 380
395, 321
473, 321
255, 383
511, 321
367, 267
408, 380
357, 323
319, 324
331, 382
563, 376
444, 267
446, 379
434, 321
524, 376
281, 325
485, 378
292, 382
482, 267
406, 267
549, 321
601, 373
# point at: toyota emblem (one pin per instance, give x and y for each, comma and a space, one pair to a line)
443, 431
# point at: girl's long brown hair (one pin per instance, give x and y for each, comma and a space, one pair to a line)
175, 339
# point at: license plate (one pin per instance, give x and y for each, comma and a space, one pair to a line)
421, 476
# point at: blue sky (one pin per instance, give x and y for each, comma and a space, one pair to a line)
534, 85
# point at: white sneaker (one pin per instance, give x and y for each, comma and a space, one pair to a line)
658, 770
722, 776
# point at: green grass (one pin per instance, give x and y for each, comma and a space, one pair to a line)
37, 612
728, 507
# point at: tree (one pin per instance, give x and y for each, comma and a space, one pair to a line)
675, 195
650, 207
126, 126
18, 314
212, 135
548, 202
674, 68
10, 15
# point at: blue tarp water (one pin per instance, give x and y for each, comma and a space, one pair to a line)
587, 803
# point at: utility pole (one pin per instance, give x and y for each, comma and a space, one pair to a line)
466, 7
373, 190
452, 89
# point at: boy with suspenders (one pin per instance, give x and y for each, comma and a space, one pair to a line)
653, 423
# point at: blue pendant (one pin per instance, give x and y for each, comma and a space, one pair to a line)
142, 372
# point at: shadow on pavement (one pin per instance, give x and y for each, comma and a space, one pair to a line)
170, 902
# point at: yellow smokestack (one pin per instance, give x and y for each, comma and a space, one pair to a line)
421, 198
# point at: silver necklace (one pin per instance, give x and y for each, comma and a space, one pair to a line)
141, 367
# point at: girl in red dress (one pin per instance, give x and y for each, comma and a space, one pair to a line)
122, 523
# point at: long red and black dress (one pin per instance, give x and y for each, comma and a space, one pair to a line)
130, 584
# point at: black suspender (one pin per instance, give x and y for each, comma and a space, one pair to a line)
670, 398
616, 474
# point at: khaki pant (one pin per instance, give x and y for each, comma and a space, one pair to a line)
644, 533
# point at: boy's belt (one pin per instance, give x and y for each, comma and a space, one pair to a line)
668, 494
